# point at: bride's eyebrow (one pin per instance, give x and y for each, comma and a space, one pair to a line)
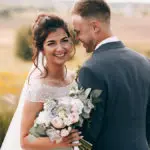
50, 41
66, 37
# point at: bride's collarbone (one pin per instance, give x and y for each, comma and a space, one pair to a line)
57, 82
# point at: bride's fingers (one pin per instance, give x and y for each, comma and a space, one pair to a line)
74, 139
75, 135
74, 144
72, 135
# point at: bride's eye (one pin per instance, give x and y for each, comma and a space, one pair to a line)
50, 44
65, 40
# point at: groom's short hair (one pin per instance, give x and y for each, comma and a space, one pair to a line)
98, 9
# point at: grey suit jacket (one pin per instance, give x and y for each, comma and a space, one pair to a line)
121, 120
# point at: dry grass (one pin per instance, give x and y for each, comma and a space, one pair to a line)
11, 83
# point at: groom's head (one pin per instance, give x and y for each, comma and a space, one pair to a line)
91, 21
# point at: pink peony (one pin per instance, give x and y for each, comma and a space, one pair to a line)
64, 132
75, 117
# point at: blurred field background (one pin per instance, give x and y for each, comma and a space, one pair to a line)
130, 22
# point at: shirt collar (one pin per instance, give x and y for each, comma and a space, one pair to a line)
108, 40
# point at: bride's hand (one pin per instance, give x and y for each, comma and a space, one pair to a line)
72, 139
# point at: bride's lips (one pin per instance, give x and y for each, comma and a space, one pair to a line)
60, 55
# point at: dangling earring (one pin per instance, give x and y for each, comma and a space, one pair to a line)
65, 72
73, 51
44, 65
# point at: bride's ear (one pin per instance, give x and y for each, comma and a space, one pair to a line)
43, 52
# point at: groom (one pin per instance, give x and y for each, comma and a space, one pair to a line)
120, 121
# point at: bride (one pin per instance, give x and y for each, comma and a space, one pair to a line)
52, 43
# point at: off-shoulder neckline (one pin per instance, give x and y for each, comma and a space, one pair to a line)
59, 87
39, 80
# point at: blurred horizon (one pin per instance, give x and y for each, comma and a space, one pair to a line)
133, 18
45, 3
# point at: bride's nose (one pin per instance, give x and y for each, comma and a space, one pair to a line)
60, 47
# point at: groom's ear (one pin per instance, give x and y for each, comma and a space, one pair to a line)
96, 26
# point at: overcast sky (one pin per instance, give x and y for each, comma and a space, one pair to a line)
140, 1
48, 2
20, 1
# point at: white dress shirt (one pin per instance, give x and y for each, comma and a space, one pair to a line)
108, 40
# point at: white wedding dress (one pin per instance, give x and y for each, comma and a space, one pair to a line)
39, 92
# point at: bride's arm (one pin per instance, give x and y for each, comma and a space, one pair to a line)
28, 116
30, 111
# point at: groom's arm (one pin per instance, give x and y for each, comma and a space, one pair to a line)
148, 121
88, 79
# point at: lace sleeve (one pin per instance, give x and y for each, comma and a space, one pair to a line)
33, 89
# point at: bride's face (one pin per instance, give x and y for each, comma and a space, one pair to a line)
57, 47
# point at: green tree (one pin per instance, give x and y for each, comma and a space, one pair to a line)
23, 43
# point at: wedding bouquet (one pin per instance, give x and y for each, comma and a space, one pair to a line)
60, 115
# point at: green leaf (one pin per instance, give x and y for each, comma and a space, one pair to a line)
87, 92
96, 93
31, 137
38, 131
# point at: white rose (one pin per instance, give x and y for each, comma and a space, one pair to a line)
69, 129
77, 106
58, 131
68, 121
43, 118
64, 132
57, 123
62, 114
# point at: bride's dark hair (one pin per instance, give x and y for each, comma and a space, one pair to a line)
43, 25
